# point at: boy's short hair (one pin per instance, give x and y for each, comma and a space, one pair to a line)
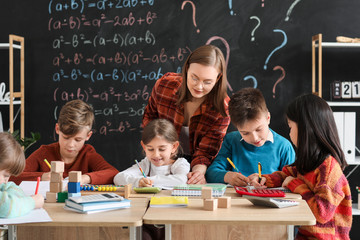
12, 156
74, 116
246, 104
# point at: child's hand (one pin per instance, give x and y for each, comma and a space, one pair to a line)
45, 176
287, 181
236, 179
39, 200
254, 181
145, 182
85, 179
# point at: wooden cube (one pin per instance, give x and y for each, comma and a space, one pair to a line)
57, 166
206, 193
51, 197
56, 177
55, 187
75, 176
210, 204
73, 187
127, 190
224, 202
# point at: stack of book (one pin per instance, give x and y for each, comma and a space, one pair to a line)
92, 203
218, 189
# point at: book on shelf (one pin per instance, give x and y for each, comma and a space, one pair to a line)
218, 189
102, 205
169, 201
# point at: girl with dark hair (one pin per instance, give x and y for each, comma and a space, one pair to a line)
317, 173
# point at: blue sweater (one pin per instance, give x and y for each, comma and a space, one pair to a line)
13, 201
273, 156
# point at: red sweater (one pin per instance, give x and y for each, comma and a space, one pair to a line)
88, 162
328, 195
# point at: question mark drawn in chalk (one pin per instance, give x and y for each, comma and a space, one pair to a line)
280, 79
227, 52
194, 10
253, 78
290, 9
277, 48
230, 7
253, 31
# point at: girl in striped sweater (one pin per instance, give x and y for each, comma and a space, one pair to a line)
13, 201
317, 173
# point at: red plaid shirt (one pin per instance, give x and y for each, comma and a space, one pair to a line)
207, 126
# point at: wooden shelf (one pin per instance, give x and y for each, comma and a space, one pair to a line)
338, 45
344, 104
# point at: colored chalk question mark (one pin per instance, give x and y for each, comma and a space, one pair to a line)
277, 48
280, 79
253, 31
227, 52
230, 6
290, 9
194, 10
253, 78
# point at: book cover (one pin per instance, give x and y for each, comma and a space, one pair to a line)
173, 201
91, 211
218, 189
97, 205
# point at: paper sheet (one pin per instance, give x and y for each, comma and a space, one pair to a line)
36, 215
29, 187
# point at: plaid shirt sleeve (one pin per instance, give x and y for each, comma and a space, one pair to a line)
207, 136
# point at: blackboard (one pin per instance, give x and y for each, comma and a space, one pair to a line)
110, 53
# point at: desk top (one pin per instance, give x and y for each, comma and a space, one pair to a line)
240, 212
116, 218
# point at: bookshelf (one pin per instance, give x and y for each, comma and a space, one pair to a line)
16, 97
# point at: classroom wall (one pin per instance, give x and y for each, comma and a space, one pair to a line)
110, 53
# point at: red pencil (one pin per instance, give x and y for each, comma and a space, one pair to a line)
37, 186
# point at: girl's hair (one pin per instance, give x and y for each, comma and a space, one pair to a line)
207, 55
74, 116
317, 133
12, 156
161, 128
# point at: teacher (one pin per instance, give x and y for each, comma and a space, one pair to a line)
196, 103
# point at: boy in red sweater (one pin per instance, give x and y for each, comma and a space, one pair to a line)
74, 128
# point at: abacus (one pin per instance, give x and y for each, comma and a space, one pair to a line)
126, 189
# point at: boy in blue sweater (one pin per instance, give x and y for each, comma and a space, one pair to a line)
254, 142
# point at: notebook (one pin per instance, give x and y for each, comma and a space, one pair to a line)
173, 201
90, 206
218, 190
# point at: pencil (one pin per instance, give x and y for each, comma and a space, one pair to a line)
140, 168
259, 168
37, 186
232, 164
47, 163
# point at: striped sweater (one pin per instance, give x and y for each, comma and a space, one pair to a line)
327, 192
13, 201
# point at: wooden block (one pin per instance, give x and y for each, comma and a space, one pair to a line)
74, 194
75, 176
56, 177
206, 193
224, 202
55, 187
210, 204
57, 166
73, 187
127, 190
51, 197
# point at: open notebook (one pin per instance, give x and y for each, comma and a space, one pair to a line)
218, 189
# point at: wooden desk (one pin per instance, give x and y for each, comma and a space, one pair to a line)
242, 220
122, 223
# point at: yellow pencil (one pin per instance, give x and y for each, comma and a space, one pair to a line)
259, 168
47, 163
232, 164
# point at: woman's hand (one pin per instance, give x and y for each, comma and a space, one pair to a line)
45, 176
197, 176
